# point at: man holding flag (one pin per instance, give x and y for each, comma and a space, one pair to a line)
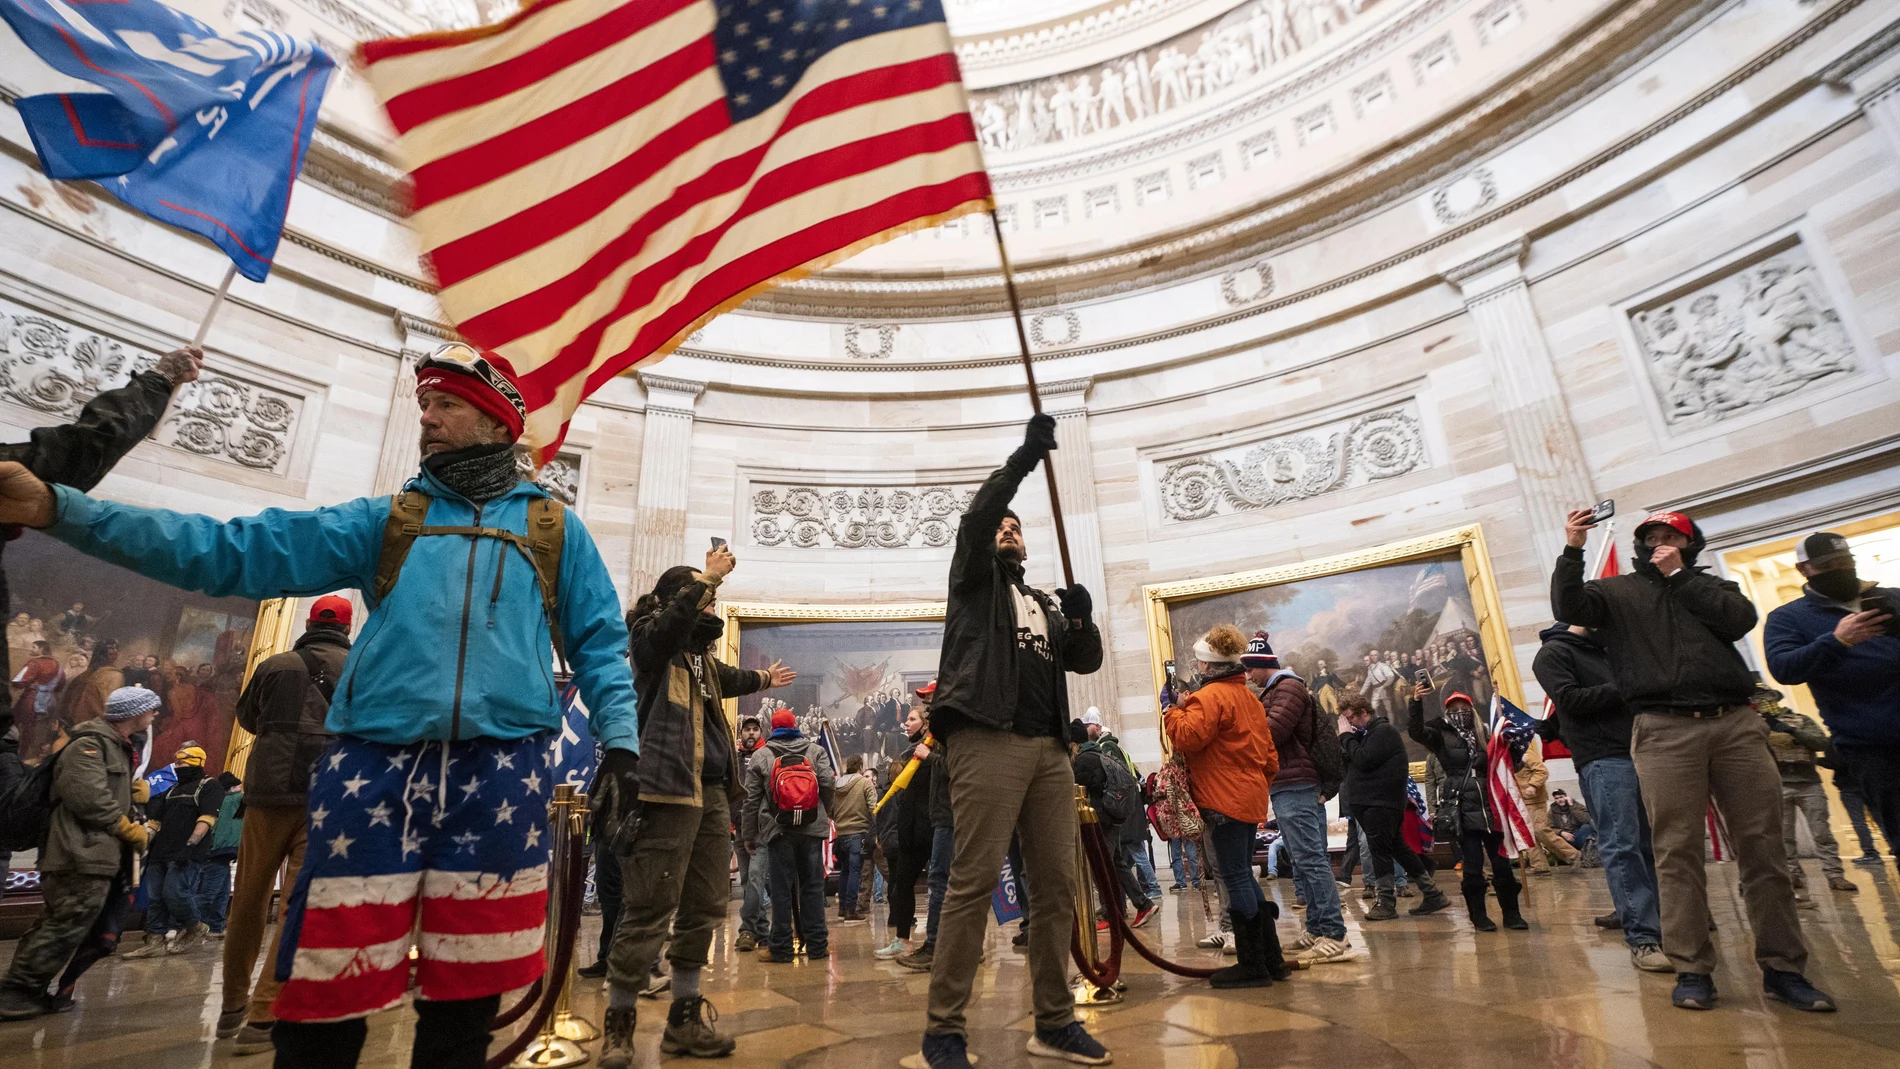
1669, 630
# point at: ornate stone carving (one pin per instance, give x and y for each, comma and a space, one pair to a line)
1239, 45
855, 338
1496, 19
1753, 332
560, 477
1055, 328
1245, 285
1438, 57
1464, 196
1292, 467
56, 367
857, 517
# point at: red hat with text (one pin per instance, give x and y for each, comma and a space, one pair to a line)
482, 379
1675, 521
330, 609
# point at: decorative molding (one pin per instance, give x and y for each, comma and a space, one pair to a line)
1042, 337
1745, 334
886, 340
670, 396
856, 517
1510, 253
1465, 196
1436, 58
1255, 475
560, 477
1100, 24
426, 332
1841, 71
1317, 124
1246, 285
1496, 19
55, 367
1373, 95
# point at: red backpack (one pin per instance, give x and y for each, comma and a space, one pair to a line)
793, 789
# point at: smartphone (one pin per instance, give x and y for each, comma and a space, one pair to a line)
1879, 603
718, 542
1167, 666
1422, 676
1602, 510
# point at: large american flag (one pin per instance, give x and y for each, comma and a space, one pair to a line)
1511, 732
596, 178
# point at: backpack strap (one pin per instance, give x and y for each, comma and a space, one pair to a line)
541, 547
314, 670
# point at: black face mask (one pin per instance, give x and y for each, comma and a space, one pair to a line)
707, 630
1841, 584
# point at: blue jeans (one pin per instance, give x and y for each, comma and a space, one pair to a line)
755, 905
850, 851
798, 869
1622, 829
1144, 867
1184, 857
214, 893
943, 844
171, 895
1302, 819
1233, 857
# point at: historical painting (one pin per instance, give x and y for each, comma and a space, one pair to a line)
82, 628
1374, 623
858, 668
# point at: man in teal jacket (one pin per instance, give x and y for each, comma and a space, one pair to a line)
432, 801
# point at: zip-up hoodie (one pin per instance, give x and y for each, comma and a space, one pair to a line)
458, 650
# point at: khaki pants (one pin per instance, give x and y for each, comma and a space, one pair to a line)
273, 836
1683, 762
1553, 844
1003, 784
1809, 800
679, 875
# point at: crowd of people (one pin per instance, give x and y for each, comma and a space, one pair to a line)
388, 785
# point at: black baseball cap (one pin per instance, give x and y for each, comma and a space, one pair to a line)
1820, 546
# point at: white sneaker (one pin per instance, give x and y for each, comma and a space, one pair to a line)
1298, 942
1214, 940
1324, 951
898, 946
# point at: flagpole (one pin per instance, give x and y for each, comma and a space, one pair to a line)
217, 302
1609, 546
1035, 395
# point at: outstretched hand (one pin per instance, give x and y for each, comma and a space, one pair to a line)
780, 674
24, 499
1039, 437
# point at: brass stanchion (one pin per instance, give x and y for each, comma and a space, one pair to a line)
567, 1024
1086, 992
567, 816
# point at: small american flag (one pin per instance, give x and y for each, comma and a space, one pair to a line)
1511, 732
596, 178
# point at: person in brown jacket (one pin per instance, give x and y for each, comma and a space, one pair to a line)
1533, 784
1221, 732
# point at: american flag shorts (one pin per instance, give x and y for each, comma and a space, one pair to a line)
443, 846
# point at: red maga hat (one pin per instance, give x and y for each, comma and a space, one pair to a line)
1673, 520
330, 609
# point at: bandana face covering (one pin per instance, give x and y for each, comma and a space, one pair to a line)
479, 472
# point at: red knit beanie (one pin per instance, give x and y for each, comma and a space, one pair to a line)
784, 718
482, 379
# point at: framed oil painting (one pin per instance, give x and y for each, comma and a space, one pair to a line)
1370, 621
857, 666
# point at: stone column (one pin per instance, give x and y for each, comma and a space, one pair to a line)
402, 448
1074, 466
1871, 71
1529, 403
659, 513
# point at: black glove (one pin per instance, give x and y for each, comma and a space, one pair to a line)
1039, 437
1076, 603
621, 769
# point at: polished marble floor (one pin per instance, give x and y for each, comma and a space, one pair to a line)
1428, 993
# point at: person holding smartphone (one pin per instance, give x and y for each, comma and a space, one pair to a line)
1839, 638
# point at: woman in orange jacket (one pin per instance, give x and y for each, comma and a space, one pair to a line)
1220, 731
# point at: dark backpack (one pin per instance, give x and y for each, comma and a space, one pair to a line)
792, 787
1121, 792
1329, 761
26, 807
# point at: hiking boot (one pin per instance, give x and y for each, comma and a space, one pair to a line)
945, 1052
192, 936
1071, 1043
1326, 951
1842, 883
918, 960
19, 1004
1610, 921
616, 1042
1794, 989
1370, 892
1650, 958
1694, 991
1386, 908
152, 947
690, 1031
746, 943
230, 1021
253, 1038
1408, 891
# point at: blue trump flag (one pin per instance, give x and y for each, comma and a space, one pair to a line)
573, 755
204, 132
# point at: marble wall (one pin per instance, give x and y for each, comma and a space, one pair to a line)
1681, 291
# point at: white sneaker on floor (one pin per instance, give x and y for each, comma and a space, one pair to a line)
898, 946
1215, 940
1325, 951
1298, 942
1650, 958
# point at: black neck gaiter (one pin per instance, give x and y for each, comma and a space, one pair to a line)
478, 472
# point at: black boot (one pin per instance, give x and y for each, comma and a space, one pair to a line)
314, 1045
1480, 919
1431, 901
1270, 956
1388, 905
1248, 969
1507, 905
453, 1034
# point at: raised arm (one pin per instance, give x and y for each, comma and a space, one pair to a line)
1571, 599
595, 637
78, 454
976, 532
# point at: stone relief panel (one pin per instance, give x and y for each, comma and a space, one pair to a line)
55, 367
857, 517
1342, 455
1753, 332
560, 477
1247, 41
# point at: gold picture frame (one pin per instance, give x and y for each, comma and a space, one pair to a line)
276, 619
737, 614
1486, 605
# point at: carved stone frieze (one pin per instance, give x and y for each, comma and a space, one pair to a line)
1750, 333
55, 367
560, 477
1054, 328
870, 341
1245, 285
1292, 467
1465, 196
857, 517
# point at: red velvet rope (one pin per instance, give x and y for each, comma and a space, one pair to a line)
1119, 930
571, 894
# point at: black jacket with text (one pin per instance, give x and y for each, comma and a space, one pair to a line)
977, 672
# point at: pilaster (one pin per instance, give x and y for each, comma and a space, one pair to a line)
402, 446
659, 512
1073, 463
